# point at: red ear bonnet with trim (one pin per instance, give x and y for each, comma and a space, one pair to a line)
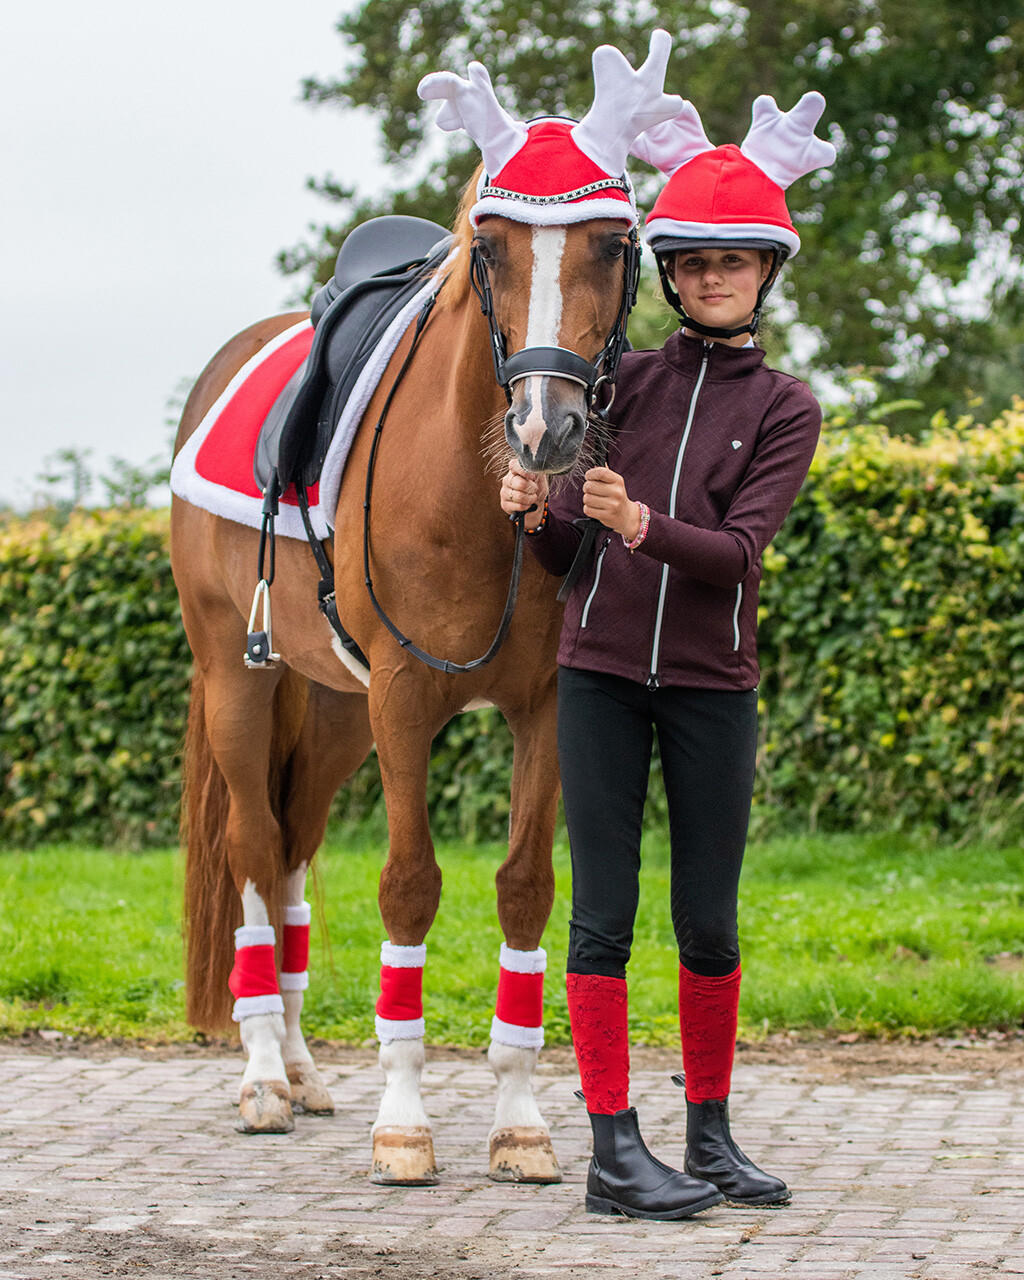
555, 171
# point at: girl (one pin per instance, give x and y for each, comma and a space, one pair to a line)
709, 451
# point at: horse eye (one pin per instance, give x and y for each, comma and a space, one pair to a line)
615, 248
485, 251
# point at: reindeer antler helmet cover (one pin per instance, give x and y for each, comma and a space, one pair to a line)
729, 196
553, 170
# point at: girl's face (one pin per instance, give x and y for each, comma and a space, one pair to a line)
719, 287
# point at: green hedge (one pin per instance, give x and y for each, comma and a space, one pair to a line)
94, 671
892, 645
893, 636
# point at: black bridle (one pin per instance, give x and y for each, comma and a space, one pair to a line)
559, 362
551, 361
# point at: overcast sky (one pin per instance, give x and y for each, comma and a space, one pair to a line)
152, 163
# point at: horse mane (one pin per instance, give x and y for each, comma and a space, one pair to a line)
456, 290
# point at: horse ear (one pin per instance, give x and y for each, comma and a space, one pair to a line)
472, 105
782, 143
626, 102
668, 146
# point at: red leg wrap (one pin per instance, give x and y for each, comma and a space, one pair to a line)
599, 1016
520, 998
254, 973
401, 993
708, 1010
295, 948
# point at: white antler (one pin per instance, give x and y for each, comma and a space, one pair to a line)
782, 143
670, 144
626, 102
471, 105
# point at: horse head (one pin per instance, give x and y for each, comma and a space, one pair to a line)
554, 255
560, 296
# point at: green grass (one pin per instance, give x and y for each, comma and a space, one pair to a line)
874, 935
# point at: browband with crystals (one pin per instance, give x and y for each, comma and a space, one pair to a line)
617, 184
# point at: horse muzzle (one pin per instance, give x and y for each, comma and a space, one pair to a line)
546, 422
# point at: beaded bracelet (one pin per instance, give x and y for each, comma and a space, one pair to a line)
532, 533
641, 533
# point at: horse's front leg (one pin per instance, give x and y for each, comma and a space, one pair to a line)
408, 894
520, 1145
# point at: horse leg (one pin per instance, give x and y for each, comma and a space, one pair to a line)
250, 725
520, 1144
334, 741
408, 895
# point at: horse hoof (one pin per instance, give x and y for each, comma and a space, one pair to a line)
308, 1091
523, 1155
264, 1106
403, 1157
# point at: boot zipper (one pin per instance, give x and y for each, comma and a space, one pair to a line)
652, 680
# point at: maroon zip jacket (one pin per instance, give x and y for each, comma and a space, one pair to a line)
717, 445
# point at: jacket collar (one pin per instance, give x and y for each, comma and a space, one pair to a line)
684, 354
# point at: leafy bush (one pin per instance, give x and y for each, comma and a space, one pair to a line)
893, 636
892, 653
94, 673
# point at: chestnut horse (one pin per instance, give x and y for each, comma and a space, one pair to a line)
266, 751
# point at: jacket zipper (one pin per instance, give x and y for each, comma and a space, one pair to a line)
736, 618
593, 589
653, 680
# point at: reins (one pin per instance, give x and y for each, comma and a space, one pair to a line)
326, 591
550, 361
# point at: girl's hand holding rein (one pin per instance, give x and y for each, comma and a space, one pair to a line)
605, 498
521, 490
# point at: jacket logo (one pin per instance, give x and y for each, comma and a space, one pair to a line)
737, 444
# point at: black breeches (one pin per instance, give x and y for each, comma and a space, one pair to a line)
708, 742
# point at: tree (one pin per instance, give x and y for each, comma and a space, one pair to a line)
912, 265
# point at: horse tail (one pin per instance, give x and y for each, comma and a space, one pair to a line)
213, 909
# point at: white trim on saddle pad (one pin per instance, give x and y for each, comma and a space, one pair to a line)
246, 509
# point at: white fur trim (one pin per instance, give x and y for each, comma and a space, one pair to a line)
518, 1037
249, 1006
711, 231
389, 1029
243, 509
523, 961
403, 957
551, 215
299, 913
254, 935
294, 981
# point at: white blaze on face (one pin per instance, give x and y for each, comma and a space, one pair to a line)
544, 321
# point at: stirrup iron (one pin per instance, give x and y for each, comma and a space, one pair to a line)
259, 646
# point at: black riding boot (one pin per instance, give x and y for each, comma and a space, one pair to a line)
625, 1178
712, 1154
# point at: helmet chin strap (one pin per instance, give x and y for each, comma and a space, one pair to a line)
710, 330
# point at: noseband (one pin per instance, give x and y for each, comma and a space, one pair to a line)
559, 362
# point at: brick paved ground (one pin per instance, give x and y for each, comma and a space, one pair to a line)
131, 1166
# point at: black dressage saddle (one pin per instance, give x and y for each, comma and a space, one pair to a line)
381, 265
